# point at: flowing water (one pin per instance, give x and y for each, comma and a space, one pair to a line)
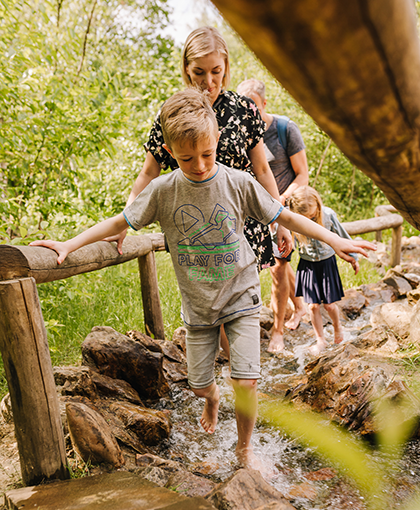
291, 462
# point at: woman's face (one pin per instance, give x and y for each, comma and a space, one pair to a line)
207, 72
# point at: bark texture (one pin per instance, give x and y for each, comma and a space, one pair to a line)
355, 68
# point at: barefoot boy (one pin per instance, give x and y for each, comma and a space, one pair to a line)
202, 207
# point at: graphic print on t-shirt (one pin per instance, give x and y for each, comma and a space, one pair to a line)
209, 247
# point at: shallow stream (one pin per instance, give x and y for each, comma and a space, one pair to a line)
216, 453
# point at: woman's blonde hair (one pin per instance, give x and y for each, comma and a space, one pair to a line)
200, 43
302, 201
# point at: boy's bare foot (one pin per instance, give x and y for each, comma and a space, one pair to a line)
276, 344
294, 321
209, 417
318, 347
248, 460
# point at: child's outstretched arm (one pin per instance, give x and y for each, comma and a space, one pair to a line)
109, 227
342, 247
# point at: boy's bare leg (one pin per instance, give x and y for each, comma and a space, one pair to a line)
334, 313
298, 302
279, 297
246, 416
211, 406
316, 319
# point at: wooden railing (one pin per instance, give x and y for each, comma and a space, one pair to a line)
384, 219
24, 345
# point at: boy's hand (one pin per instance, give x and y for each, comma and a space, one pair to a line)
343, 247
60, 248
284, 240
355, 265
119, 238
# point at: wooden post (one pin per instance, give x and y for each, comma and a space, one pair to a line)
396, 246
27, 364
153, 319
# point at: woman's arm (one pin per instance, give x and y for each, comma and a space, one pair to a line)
262, 170
150, 170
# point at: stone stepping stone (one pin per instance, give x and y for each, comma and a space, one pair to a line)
112, 491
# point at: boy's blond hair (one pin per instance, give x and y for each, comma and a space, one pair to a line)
188, 116
252, 86
200, 43
303, 200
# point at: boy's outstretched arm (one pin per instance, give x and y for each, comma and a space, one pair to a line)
109, 227
302, 225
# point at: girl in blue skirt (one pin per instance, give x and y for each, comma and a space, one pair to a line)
317, 277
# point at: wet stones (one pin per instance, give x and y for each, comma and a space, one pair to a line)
91, 436
346, 385
173, 475
149, 425
247, 490
120, 357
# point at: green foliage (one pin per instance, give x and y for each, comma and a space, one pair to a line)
78, 94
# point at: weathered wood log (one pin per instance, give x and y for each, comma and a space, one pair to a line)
153, 319
355, 68
27, 364
373, 224
388, 220
41, 263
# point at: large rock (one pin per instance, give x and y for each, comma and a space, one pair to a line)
174, 360
149, 425
396, 316
91, 436
120, 357
247, 490
380, 340
398, 282
344, 384
352, 302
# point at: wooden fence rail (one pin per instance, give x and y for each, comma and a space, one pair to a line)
385, 218
24, 344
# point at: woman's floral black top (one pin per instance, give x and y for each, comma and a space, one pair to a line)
241, 128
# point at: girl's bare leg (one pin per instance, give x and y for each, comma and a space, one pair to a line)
334, 313
316, 319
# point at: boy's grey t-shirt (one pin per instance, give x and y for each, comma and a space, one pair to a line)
276, 156
204, 225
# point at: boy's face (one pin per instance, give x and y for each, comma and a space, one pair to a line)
197, 163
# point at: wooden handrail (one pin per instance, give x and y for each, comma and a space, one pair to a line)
41, 263
384, 218
24, 345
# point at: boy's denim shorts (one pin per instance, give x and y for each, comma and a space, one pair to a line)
203, 346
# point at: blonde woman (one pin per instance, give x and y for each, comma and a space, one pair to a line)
205, 63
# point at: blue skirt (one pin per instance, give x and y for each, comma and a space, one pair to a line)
319, 282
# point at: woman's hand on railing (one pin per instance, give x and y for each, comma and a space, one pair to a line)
119, 238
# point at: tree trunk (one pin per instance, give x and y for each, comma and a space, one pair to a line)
355, 68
